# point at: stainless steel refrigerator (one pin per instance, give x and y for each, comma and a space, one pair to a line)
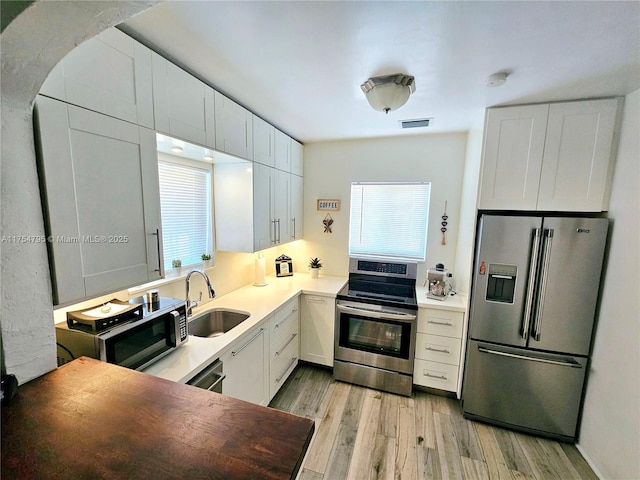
535, 288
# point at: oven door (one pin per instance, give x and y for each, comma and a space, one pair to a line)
375, 336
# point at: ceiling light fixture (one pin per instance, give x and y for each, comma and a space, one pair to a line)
388, 92
497, 79
176, 149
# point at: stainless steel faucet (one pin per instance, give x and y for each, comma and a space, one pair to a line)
212, 293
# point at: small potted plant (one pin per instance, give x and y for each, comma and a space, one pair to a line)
177, 264
315, 265
206, 260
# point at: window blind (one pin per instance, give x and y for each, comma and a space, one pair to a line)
389, 220
185, 203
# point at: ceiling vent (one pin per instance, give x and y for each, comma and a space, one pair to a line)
416, 123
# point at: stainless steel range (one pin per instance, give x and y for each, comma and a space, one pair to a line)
375, 332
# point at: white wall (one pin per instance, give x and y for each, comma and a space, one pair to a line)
330, 167
610, 429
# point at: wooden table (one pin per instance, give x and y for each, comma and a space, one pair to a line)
90, 419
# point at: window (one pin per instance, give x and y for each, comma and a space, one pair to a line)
185, 203
389, 220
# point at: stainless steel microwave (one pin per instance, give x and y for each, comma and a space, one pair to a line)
161, 328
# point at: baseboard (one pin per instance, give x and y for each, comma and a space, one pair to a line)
589, 461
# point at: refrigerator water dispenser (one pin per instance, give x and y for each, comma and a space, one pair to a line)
501, 283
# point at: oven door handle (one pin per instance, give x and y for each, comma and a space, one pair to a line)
376, 314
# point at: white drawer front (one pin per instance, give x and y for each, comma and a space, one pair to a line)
437, 348
285, 321
435, 375
440, 322
283, 364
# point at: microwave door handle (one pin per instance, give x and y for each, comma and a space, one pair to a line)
533, 263
546, 247
174, 329
375, 314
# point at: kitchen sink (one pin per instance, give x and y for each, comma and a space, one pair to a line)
216, 322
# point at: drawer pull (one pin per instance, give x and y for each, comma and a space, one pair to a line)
285, 345
439, 377
439, 350
448, 324
247, 344
293, 360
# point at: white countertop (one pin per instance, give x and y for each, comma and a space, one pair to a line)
456, 303
259, 302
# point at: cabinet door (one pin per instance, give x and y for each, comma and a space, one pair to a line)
512, 159
234, 128
281, 203
296, 207
246, 368
110, 73
234, 214
283, 151
263, 142
297, 158
263, 207
317, 323
100, 176
183, 105
577, 163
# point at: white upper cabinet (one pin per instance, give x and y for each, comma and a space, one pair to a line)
263, 142
183, 105
556, 157
110, 74
297, 158
281, 216
283, 152
578, 164
296, 207
234, 128
514, 144
100, 177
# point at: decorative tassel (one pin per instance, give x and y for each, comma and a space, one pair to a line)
444, 225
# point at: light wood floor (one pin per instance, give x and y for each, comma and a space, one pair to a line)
366, 434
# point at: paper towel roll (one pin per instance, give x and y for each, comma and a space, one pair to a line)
260, 272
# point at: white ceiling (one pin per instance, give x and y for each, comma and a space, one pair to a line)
299, 65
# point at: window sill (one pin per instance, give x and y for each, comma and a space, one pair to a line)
171, 275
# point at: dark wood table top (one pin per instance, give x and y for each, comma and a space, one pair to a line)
90, 419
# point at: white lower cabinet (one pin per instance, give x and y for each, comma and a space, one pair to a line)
438, 349
317, 324
246, 367
284, 332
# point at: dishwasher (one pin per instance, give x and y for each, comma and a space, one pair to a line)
210, 378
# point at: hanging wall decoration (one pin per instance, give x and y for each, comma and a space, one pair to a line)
444, 225
327, 222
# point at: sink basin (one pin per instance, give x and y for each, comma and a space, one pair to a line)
215, 323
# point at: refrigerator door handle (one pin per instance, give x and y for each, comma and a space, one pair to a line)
569, 362
531, 284
546, 246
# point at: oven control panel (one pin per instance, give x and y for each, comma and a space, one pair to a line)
374, 267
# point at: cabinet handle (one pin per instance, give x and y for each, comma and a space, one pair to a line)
247, 344
293, 360
294, 227
157, 234
220, 379
440, 350
316, 300
285, 345
439, 377
278, 221
275, 238
448, 324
